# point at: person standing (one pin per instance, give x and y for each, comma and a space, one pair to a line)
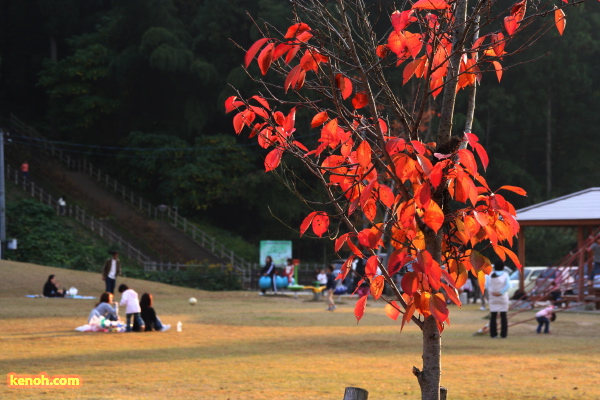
269, 270
543, 318
497, 286
62, 206
595, 247
25, 171
112, 268
330, 288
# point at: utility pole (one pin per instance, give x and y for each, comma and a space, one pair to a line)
2, 197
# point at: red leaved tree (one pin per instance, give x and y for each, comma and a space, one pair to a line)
424, 197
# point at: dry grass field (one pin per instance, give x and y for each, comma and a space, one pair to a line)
238, 345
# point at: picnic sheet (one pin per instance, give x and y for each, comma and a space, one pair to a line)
77, 296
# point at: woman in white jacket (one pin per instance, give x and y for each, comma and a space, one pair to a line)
497, 286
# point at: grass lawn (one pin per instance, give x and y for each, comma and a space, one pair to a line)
238, 345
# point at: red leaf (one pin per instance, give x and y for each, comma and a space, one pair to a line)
510, 24
396, 261
319, 119
468, 160
253, 50
346, 268
370, 209
262, 102
382, 50
306, 223
231, 104
401, 20
344, 84
413, 43
559, 18
320, 223
377, 285
265, 58
431, 5
482, 154
238, 122
296, 29
359, 309
273, 159
397, 43
371, 267
438, 308
339, 242
498, 43
359, 100
409, 283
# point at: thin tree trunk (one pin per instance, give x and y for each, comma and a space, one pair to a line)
549, 146
429, 377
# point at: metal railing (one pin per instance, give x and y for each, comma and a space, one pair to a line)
188, 228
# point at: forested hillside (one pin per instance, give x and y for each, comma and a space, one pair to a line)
138, 88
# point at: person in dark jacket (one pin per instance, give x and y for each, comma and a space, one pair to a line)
51, 288
149, 315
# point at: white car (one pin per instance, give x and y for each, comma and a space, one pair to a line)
538, 278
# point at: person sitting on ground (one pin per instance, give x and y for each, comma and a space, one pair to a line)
149, 315
104, 308
51, 288
130, 301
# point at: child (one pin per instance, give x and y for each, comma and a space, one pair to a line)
543, 317
129, 300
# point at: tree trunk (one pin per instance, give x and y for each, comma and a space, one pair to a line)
549, 146
429, 377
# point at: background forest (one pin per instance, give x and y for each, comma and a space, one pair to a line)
138, 88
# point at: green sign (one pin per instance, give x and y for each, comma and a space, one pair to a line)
279, 250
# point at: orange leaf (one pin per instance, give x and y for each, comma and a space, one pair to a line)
514, 189
498, 68
559, 18
359, 100
434, 216
408, 313
396, 43
363, 154
413, 43
273, 159
370, 209
359, 309
319, 119
392, 310
339, 242
320, 224
344, 84
386, 196
382, 51
265, 58
431, 5
253, 50
346, 268
498, 43
409, 70
377, 285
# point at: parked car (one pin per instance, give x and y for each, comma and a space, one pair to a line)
530, 273
538, 279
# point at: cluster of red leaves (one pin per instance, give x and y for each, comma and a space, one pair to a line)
350, 163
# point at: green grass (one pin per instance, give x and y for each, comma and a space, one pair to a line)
238, 345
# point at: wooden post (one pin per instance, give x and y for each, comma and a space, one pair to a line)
353, 393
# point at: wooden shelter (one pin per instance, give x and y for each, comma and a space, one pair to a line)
579, 209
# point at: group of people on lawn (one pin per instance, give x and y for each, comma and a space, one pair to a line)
139, 312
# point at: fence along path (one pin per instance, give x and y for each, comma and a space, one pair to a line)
96, 226
163, 211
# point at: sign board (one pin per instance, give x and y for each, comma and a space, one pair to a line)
279, 250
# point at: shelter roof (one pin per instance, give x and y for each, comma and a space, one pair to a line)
579, 208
